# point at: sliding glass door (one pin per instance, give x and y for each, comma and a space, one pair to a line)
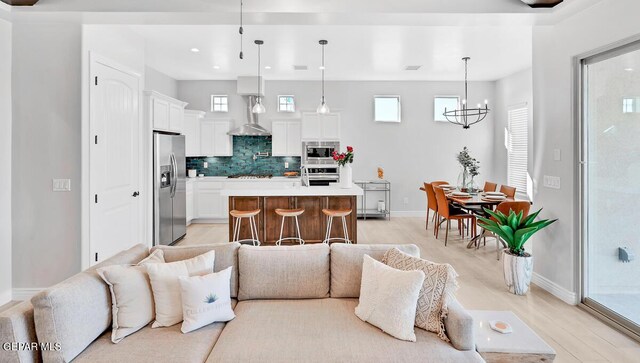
611, 184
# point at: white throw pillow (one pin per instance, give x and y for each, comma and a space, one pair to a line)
131, 296
206, 299
388, 298
166, 286
437, 289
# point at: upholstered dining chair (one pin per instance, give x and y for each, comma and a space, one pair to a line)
449, 213
510, 192
438, 183
506, 207
432, 203
489, 187
435, 184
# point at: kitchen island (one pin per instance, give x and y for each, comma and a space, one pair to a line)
313, 222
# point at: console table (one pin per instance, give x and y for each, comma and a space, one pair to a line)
521, 345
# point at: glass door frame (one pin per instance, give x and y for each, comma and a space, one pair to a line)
581, 84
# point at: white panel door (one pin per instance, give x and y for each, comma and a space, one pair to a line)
207, 138
279, 139
294, 141
330, 127
116, 220
160, 109
311, 128
222, 142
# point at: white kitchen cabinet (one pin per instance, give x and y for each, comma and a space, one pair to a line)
316, 127
214, 140
190, 201
192, 120
165, 113
286, 138
209, 203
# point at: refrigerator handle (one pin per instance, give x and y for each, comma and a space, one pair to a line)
174, 165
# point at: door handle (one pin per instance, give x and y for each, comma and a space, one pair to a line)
135, 194
174, 186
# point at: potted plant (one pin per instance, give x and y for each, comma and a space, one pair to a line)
515, 230
470, 169
344, 160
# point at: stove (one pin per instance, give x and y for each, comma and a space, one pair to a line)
248, 176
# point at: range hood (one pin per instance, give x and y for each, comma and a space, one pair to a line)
251, 128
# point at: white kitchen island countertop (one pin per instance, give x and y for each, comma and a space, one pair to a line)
293, 191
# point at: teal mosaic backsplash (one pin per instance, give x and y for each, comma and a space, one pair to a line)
244, 147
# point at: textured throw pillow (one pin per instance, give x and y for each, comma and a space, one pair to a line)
206, 299
131, 296
438, 288
166, 286
388, 298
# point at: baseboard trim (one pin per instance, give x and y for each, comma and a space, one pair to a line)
21, 294
554, 289
209, 221
5, 297
408, 213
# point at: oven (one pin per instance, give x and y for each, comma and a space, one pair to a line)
320, 174
319, 152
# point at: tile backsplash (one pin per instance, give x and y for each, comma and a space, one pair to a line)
244, 147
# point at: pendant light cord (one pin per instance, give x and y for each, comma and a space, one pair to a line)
259, 85
241, 30
323, 73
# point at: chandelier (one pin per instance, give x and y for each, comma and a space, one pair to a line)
466, 116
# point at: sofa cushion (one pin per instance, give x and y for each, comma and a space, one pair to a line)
16, 326
155, 346
78, 310
284, 272
226, 255
321, 330
346, 265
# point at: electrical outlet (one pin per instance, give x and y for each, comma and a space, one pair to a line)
556, 155
406, 200
61, 185
286, 165
552, 182
205, 165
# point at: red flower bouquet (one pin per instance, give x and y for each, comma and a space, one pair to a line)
343, 158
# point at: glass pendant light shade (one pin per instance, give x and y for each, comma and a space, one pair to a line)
258, 107
323, 108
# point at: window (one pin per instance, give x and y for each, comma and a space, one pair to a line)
631, 105
219, 103
286, 104
387, 108
517, 145
440, 103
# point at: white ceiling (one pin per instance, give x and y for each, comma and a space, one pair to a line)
353, 52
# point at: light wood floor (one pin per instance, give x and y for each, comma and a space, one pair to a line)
574, 334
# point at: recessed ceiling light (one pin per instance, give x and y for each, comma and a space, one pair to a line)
629, 69
216, 67
412, 68
195, 50
300, 68
267, 67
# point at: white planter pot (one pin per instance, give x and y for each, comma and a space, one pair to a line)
517, 272
346, 176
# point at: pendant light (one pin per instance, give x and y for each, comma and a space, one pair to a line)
465, 116
323, 108
241, 30
259, 107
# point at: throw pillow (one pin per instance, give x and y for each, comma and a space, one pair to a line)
437, 290
166, 286
206, 299
131, 296
388, 298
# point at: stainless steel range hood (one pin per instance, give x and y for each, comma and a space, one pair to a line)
251, 128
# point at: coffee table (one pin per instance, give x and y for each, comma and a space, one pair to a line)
521, 345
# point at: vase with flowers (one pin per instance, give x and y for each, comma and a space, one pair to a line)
470, 169
346, 173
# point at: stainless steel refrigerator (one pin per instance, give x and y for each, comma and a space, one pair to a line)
169, 189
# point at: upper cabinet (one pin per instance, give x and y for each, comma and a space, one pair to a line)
286, 138
214, 140
192, 120
316, 127
164, 112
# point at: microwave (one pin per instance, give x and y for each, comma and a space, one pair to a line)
319, 152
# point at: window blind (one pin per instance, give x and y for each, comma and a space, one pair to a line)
518, 143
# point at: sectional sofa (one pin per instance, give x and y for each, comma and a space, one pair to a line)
292, 304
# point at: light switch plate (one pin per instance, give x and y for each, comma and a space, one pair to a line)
205, 165
61, 185
286, 165
552, 182
557, 155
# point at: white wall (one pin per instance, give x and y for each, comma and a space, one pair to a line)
5, 150
554, 47
45, 145
411, 152
158, 81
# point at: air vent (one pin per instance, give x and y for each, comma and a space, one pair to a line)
412, 68
300, 68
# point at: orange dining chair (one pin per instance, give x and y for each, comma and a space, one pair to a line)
438, 183
449, 213
489, 187
432, 203
510, 192
506, 207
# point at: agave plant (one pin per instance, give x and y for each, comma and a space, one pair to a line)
211, 298
514, 229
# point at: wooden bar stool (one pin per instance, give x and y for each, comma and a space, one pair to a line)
238, 215
336, 213
293, 213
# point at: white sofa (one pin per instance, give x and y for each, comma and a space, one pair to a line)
292, 304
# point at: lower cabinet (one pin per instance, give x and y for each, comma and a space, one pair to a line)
190, 204
209, 204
